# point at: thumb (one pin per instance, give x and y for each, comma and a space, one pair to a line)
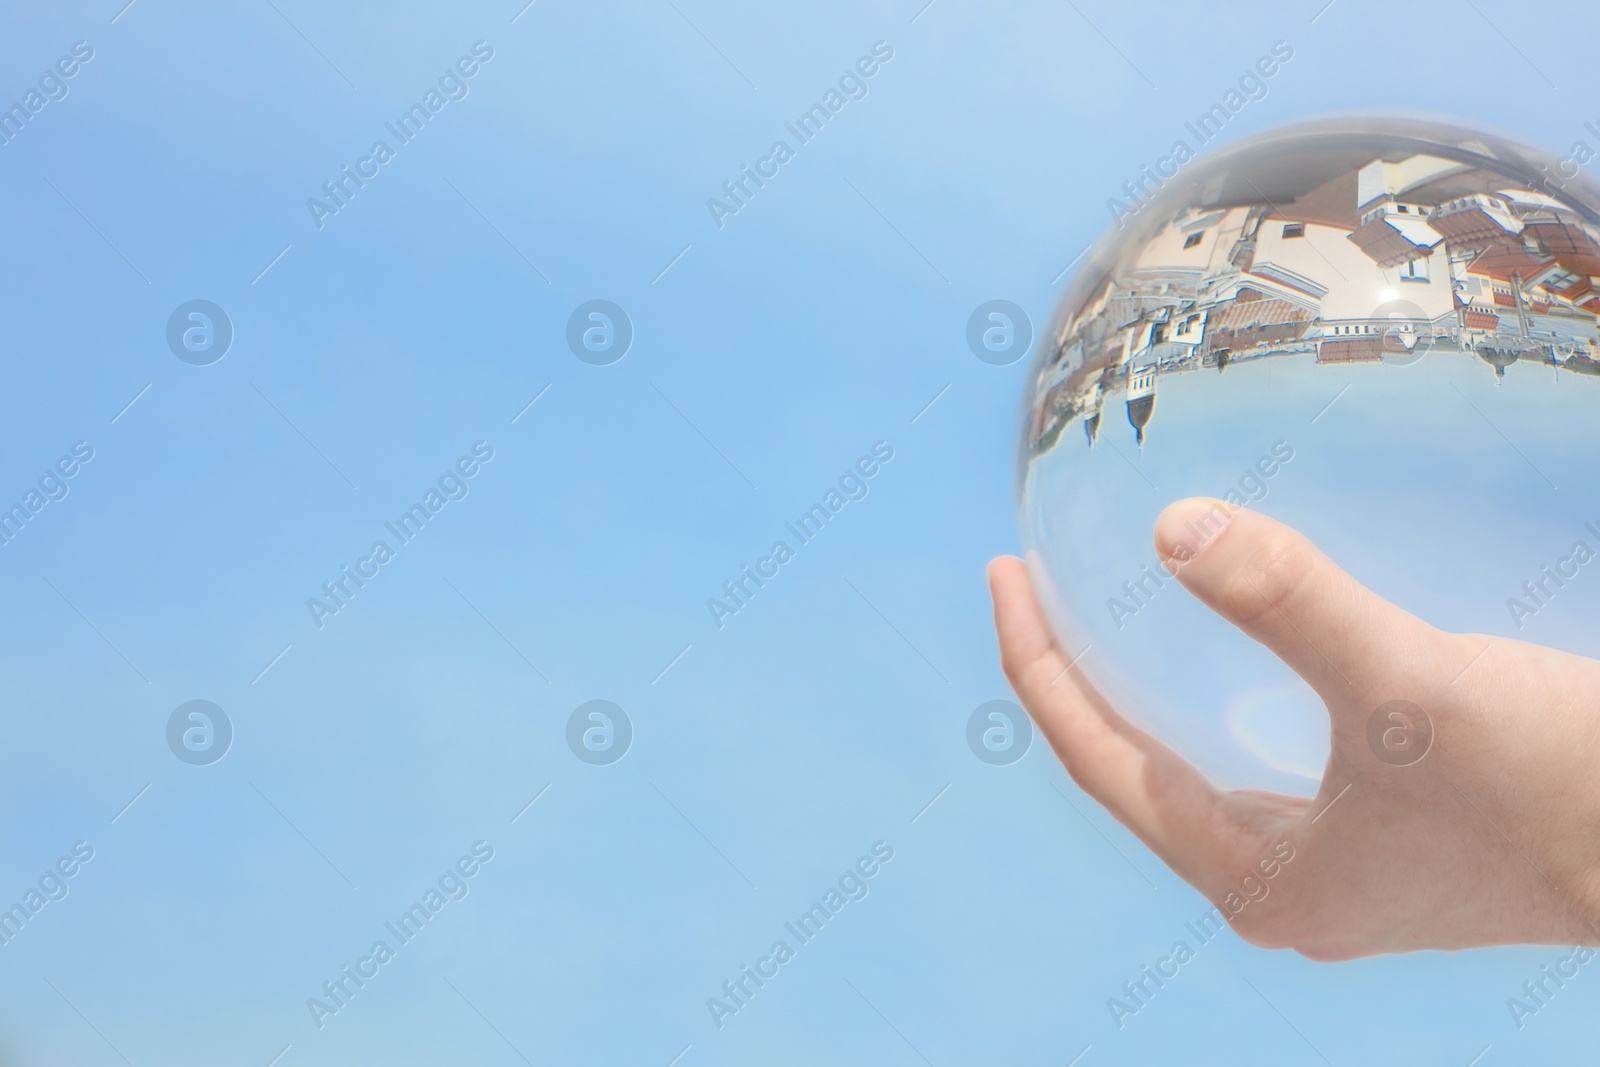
1275, 585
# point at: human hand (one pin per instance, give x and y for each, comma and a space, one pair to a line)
1493, 837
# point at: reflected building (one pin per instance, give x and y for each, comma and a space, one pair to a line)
1397, 257
1141, 401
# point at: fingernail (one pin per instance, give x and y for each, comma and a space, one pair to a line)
1184, 529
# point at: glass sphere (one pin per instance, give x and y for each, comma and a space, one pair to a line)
1380, 331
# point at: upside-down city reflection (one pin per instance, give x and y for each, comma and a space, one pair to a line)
1447, 281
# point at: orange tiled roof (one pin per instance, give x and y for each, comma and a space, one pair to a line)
1387, 246
1357, 350
1471, 225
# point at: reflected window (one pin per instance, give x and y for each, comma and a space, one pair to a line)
1294, 229
1415, 270
1194, 239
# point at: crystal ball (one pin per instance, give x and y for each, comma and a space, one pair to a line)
1380, 331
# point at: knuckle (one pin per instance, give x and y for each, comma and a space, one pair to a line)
1261, 933
1272, 930
1275, 572
1323, 953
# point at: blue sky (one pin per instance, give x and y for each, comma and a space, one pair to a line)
422, 318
